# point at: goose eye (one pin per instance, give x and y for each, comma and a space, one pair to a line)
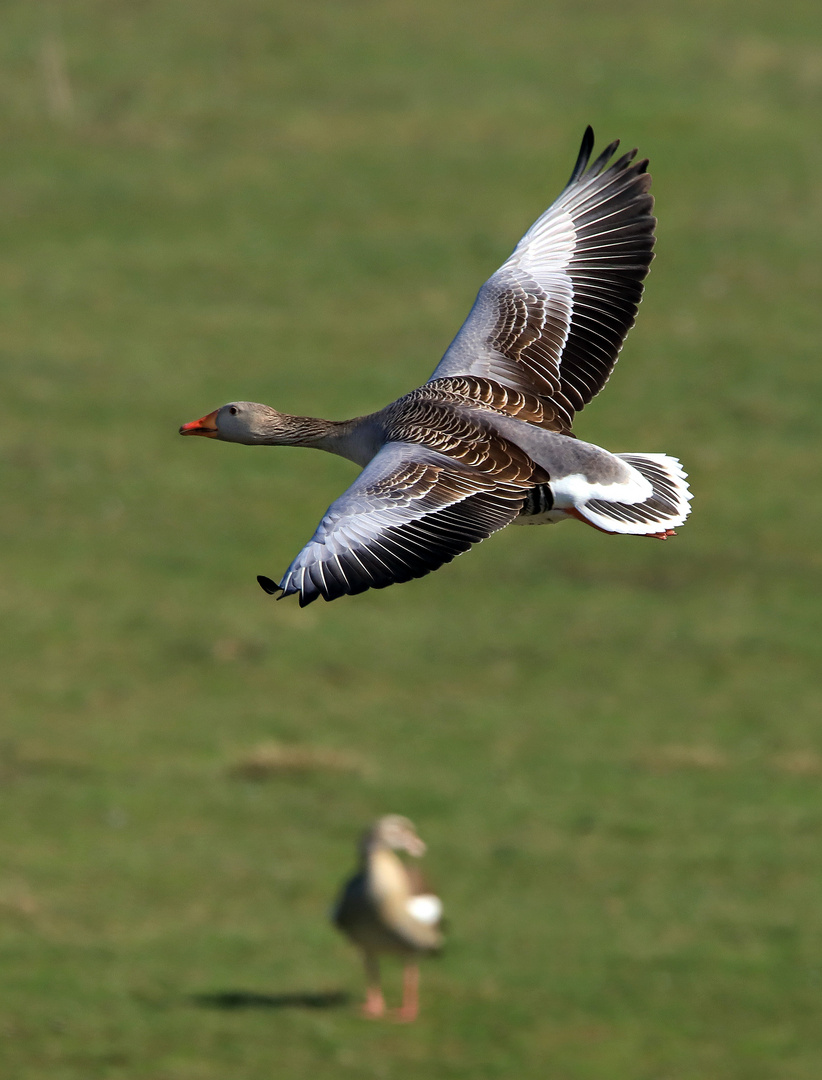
233, 410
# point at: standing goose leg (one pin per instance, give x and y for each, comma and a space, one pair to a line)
410, 995
374, 1004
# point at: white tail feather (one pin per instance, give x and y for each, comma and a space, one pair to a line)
426, 908
667, 506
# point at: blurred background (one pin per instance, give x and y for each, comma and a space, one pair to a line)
612, 747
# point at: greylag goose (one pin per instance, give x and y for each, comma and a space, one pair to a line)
487, 440
387, 908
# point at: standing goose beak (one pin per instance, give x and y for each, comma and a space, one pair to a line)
206, 425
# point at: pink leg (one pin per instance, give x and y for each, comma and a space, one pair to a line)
410, 994
374, 1004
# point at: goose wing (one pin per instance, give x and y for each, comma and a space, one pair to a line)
409, 511
551, 321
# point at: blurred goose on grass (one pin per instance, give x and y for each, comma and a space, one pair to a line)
387, 908
487, 441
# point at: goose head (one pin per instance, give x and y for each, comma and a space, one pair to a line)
394, 832
243, 422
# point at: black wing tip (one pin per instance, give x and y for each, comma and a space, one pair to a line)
272, 588
581, 168
305, 596
267, 585
584, 155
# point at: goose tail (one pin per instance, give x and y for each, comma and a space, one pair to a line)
665, 505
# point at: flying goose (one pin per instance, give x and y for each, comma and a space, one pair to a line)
386, 908
487, 440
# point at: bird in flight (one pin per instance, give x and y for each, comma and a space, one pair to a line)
487, 441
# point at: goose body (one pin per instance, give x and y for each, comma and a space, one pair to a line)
488, 440
387, 908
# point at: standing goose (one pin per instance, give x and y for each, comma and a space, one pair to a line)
386, 908
487, 440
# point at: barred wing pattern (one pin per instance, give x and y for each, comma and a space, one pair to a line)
409, 511
551, 321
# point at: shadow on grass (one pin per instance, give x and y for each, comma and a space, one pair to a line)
298, 999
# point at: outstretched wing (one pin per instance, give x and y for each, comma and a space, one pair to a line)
552, 319
408, 512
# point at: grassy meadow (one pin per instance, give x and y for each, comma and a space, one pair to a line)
613, 747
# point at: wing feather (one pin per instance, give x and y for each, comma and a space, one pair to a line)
410, 510
552, 320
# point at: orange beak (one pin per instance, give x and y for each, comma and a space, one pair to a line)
206, 425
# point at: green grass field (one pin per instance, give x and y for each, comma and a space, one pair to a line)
613, 747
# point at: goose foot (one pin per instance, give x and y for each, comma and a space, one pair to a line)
374, 1005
